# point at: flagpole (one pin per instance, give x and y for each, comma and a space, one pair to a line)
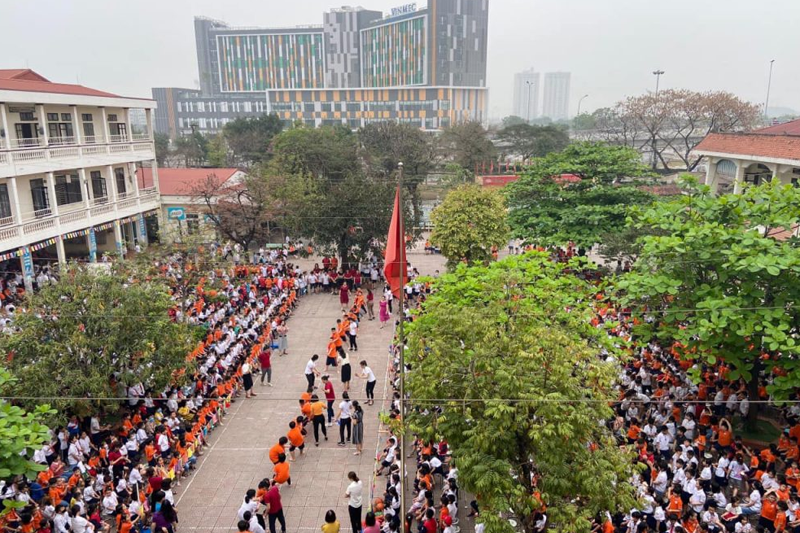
401, 344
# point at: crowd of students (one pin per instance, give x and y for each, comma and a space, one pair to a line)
121, 476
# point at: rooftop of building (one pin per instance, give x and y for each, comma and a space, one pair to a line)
787, 128
755, 144
184, 181
31, 81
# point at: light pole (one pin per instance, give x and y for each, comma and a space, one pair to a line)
579, 104
528, 112
769, 86
657, 74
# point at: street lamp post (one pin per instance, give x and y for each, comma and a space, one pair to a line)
528, 112
769, 86
657, 74
579, 104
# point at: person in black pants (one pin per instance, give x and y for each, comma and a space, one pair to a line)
318, 417
274, 508
354, 495
311, 370
344, 419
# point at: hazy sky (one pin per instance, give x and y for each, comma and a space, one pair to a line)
610, 46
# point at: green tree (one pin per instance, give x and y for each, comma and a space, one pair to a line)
90, 335
218, 151
509, 355
387, 143
529, 141
467, 144
468, 223
249, 138
21, 433
161, 141
455, 175
718, 258
192, 148
549, 210
512, 120
328, 196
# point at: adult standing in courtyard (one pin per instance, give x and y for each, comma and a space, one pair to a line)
369, 375
384, 311
274, 507
265, 360
354, 493
344, 296
311, 371
357, 417
345, 372
370, 304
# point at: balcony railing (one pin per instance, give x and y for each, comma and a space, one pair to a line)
62, 141
142, 137
122, 138
93, 139
6, 221
33, 142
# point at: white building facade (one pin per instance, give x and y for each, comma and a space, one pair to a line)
526, 94
68, 161
555, 103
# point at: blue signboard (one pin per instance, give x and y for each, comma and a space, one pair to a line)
176, 213
142, 228
27, 267
92, 246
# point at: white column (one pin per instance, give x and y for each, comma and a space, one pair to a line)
132, 172
43, 123
86, 188
12, 187
104, 117
4, 124
118, 238
60, 251
127, 113
711, 174
738, 181
76, 124
148, 113
112, 184
154, 166
51, 193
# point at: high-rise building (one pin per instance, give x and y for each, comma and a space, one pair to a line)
555, 103
421, 66
69, 157
526, 94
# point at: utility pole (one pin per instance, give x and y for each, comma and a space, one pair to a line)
528, 112
579, 104
769, 86
657, 74
401, 342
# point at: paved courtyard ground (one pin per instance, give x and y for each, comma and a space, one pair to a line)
237, 458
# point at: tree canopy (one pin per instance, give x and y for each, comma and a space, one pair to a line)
550, 210
249, 138
21, 433
468, 223
526, 141
467, 144
508, 355
94, 332
723, 281
385, 144
329, 198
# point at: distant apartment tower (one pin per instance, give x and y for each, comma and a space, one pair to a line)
425, 67
555, 104
526, 94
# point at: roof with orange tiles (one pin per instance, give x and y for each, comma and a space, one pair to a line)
29, 81
787, 128
752, 144
182, 181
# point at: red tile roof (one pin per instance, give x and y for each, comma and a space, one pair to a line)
181, 181
787, 128
30, 81
752, 144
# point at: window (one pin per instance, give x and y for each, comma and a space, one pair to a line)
27, 116
88, 132
99, 190
68, 189
112, 118
66, 117
119, 177
52, 117
41, 202
86, 117
192, 223
5, 203
60, 132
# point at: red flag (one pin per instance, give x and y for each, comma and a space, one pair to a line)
395, 259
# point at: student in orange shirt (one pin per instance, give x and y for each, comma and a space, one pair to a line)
278, 449
296, 440
281, 471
